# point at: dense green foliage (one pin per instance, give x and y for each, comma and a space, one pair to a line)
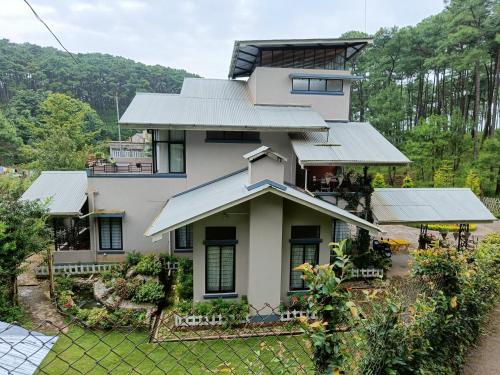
432, 89
184, 287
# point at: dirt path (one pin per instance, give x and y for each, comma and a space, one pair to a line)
34, 297
485, 358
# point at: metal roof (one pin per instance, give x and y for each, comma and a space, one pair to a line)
346, 143
261, 151
222, 193
67, 191
22, 351
246, 53
428, 205
216, 104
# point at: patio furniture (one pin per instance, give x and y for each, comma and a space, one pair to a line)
396, 245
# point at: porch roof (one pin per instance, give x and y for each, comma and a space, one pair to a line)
225, 192
346, 143
429, 205
65, 191
216, 104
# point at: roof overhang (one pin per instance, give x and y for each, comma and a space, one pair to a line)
246, 52
350, 77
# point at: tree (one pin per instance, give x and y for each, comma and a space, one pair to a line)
9, 141
473, 182
407, 182
67, 128
23, 232
378, 181
444, 176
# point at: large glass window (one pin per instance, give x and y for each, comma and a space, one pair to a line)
233, 137
184, 237
110, 233
308, 58
304, 249
169, 151
220, 259
318, 85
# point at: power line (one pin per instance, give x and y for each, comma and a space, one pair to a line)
48, 28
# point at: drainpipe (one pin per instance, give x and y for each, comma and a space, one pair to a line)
305, 179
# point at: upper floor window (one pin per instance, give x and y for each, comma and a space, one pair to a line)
169, 151
317, 85
232, 137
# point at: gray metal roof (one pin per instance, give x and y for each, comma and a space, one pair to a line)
22, 351
246, 53
216, 104
228, 191
347, 143
428, 205
65, 190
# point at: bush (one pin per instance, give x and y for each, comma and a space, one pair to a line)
184, 286
98, 317
132, 259
149, 265
122, 289
233, 312
407, 182
64, 282
378, 181
473, 182
149, 292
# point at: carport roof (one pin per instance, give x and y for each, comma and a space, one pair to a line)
428, 205
228, 191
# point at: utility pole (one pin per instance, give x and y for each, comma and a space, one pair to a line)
118, 122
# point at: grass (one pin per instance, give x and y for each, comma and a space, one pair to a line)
84, 351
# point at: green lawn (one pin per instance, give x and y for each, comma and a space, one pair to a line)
82, 351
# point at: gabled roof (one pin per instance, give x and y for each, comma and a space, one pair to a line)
261, 151
65, 190
226, 192
429, 205
246, 53
214, 104
346, 143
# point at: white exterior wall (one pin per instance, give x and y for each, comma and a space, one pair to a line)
274, 86
266, 168
237, 216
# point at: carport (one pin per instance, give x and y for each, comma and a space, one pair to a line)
424, 206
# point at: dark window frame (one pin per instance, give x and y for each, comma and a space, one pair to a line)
111, 219
302, 243
325, 91
188, 240
220, 242
154, 142
225, 138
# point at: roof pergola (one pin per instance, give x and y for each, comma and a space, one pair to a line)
247, 54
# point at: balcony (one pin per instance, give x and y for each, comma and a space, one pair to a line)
120, 168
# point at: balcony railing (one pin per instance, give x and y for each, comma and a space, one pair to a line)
105, 168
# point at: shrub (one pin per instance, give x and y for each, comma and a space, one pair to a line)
121, 287
185, 279
129, 318
132, 259
149, 292
298, 302
407, 182
149, 265
232, 312
110, 275
378, 181
65, 299
98, 317
64, 282
473, 182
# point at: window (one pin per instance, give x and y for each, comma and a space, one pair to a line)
233, 137
184, 237
110, 233
220, 259
307, 58
305, 248
318, 85
169, 151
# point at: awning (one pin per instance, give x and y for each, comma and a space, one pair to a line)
429, 205
346, 143
65, 191
218, 195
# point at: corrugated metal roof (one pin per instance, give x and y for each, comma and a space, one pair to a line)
347, 143
223, 193
216, 104
429, 205
22, 351
67, 191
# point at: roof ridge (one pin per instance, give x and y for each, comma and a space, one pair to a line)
211, 182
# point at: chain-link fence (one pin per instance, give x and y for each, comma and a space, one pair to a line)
266, 341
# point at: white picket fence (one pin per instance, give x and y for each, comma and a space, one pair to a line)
217, 319
76, 269
367, 273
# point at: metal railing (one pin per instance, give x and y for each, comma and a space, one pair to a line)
146, 168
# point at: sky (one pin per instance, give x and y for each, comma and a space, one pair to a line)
196, 35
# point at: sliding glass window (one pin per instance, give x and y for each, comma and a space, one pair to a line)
169, 151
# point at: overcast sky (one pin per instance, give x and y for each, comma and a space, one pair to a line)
196, 35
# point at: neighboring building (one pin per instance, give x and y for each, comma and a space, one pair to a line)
244, 172
136, 149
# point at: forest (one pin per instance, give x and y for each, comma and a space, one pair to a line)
431, 89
